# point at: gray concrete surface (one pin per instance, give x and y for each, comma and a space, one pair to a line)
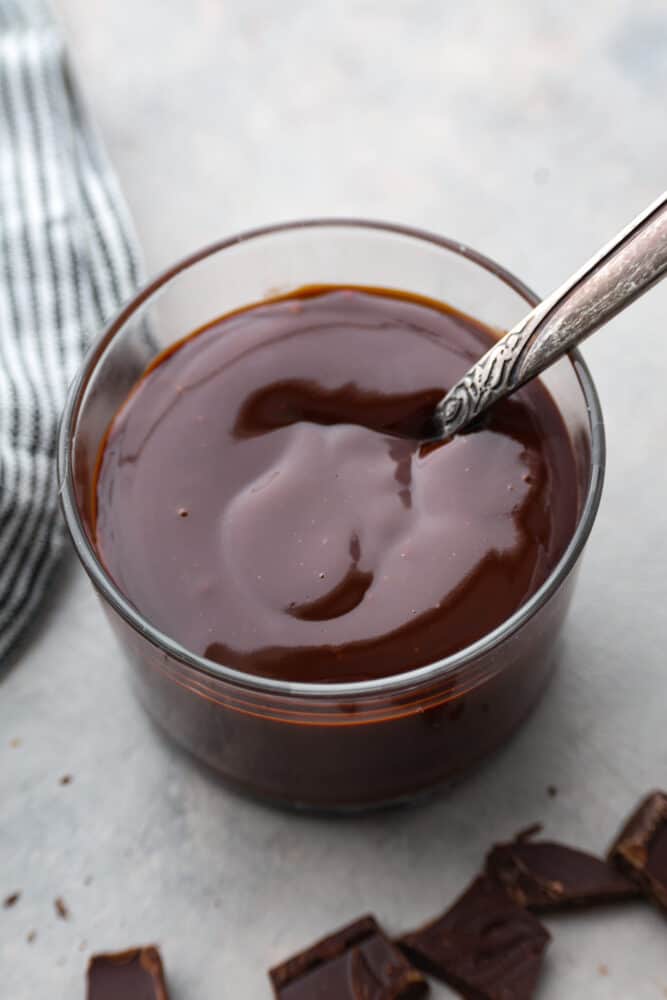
531, 130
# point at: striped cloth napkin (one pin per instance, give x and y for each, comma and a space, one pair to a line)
67, 259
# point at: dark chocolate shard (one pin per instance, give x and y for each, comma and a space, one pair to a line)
357, 962
136, 974
485, 946
543, 875
640, 849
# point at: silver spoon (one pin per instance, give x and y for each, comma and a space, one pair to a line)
623, 270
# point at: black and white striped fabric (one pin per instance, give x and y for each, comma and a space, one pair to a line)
67, 259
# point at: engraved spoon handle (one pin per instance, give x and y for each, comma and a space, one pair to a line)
622, 271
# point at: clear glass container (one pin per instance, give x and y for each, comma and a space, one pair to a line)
328, 746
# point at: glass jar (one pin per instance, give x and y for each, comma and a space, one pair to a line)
328, 746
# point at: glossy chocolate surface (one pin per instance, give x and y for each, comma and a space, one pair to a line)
262, 498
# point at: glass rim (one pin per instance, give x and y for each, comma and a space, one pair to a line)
395, 683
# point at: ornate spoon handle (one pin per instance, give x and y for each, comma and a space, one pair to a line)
622, 271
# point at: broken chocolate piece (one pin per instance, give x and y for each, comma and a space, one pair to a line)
640, 850
136, 974
543, 875
355, 963
485, 945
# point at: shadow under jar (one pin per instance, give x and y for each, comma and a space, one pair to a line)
330, 746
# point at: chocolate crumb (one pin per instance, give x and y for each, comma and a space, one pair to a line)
11, 900
61, 908
66, 779
15, 743
603, 970
552, 791
31, 936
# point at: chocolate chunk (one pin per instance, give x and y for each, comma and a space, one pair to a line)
640, 850
544, 875
355, 963
485, 945
136, 974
